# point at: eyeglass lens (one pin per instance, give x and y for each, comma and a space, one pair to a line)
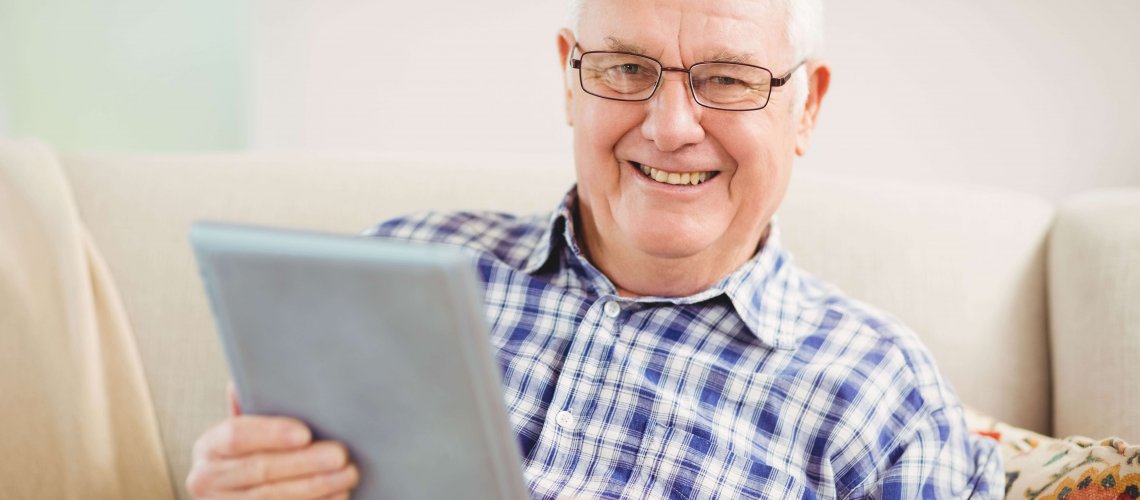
630, 77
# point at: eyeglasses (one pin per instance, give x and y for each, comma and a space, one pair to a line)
625, 76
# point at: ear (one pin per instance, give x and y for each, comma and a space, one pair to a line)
565, 46
819, 78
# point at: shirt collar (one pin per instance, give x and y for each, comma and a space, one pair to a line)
763, 291
558, 231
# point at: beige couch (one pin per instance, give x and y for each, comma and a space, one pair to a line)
1032, 309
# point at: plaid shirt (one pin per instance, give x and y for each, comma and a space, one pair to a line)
769, 384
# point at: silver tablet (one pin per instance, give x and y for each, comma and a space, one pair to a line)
377, 343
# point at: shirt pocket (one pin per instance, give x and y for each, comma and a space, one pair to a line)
688, 463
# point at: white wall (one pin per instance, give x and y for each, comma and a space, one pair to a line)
1034, 95
381, 76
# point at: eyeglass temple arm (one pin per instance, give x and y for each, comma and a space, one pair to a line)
575, 63
779, 82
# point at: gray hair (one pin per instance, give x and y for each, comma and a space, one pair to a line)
804, 24
804, 32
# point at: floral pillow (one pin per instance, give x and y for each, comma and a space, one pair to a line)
1073, 468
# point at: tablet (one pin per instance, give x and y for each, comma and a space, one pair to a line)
377, 343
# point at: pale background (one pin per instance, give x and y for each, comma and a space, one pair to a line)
1031, 95
127, 74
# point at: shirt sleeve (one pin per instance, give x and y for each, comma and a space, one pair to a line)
939, 459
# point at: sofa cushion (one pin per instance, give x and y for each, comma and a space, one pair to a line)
77, 420
1094, 283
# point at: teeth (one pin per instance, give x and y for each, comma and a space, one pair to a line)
691, 178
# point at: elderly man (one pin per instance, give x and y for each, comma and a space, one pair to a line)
654, 337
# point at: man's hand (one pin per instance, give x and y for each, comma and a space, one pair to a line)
253, 457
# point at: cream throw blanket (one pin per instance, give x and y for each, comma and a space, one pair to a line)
77, 418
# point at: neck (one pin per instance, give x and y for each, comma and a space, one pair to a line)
636, 274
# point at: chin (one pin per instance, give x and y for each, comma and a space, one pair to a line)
669, 242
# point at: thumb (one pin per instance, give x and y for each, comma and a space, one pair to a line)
231, 395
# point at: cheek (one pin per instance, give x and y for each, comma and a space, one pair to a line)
763, 152
766, 140
600, 124
750, 139
598, 127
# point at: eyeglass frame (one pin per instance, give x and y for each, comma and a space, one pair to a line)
773, 83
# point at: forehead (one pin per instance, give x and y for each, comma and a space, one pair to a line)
694, 30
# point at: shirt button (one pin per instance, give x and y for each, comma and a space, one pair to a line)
612, 309
564, 419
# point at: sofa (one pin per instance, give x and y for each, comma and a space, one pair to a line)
112, 368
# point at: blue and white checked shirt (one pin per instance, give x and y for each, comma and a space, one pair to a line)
770, 384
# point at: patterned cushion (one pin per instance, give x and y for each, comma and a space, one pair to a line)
1073, 468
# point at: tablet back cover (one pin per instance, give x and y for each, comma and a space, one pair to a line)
377, 343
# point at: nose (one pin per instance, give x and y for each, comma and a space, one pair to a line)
673, 118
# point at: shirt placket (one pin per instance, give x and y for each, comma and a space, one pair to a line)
577, 391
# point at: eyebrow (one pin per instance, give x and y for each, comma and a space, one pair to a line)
620, 45
728, 56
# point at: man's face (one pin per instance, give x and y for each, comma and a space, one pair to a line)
748, 154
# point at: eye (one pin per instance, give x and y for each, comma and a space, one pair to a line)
618, 75
725, 80
631, 69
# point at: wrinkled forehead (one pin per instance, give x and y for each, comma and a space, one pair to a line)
753, 31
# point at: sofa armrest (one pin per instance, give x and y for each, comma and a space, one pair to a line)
1094, 304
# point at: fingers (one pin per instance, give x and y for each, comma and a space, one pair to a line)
335, 484
246, 434
253, 470
253, 457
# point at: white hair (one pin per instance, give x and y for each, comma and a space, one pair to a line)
804, 22
805, 37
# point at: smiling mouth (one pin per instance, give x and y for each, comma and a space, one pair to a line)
674, 178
